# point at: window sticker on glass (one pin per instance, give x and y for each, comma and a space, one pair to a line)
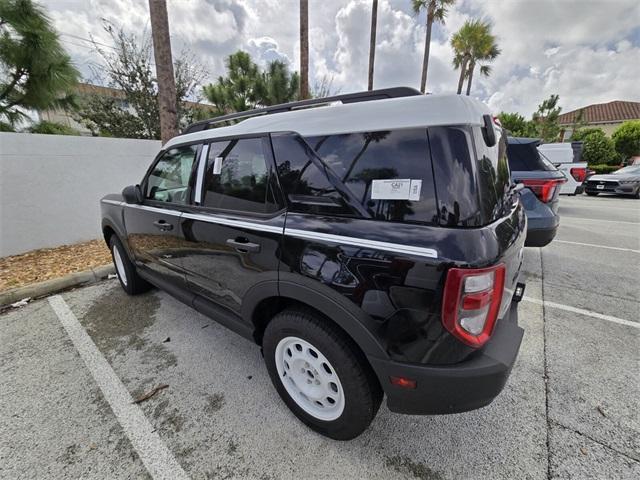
217, 166
414, 190
394, 189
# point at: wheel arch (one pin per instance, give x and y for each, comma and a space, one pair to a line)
268, 298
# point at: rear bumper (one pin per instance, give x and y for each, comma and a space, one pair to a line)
539, 237
455, 388
616, 189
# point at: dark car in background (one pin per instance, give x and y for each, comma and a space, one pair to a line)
625, 181
542, 182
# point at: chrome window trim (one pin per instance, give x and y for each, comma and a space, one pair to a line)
362, 242
304, 234
112, 202
202, 163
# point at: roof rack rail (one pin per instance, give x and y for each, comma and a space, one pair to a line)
365, 96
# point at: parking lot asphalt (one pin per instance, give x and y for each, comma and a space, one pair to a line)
570, 409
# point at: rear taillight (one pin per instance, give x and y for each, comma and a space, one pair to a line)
543, 189
579, 174
471, 303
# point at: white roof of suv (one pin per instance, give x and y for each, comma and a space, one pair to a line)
375, 115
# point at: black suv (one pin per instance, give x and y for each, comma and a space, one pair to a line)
370, 245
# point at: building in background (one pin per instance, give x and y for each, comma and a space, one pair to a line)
86, 89
606, 116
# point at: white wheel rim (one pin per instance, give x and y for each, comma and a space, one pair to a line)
117, 259
309, 378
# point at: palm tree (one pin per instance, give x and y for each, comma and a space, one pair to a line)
474, 38
304, 49
436, 12
164, 70
485, 49
372, 42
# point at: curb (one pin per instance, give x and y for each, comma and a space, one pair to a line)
55, 285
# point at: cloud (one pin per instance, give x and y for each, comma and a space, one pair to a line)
585, 51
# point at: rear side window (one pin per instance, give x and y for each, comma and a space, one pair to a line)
363, 161
243, 181
453, 165
494, 178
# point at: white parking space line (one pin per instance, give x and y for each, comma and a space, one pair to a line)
589, 313
581, 219
597, 246
158, 460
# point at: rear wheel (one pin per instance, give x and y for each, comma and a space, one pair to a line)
592, 194
320, 375
130, 281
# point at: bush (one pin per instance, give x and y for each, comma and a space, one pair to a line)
598, 148
603, 168
52, 128
626, 139
6, 127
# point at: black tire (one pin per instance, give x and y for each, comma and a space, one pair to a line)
132, 283
360, 387
592, 194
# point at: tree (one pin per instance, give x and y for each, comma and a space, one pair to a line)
164, 69
597, 147
436, 12
546, 119
276, 85
35, 71
304, 49
626, 139
464, 42
52, 128
323, 87
484, 49
517, 125
237, 91
127, 69
372, 42
245, 87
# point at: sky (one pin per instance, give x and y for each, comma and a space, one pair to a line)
586, 51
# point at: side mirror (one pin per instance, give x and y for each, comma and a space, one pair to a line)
132, 194
488, 131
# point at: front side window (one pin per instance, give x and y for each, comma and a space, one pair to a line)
237, 177
169, 179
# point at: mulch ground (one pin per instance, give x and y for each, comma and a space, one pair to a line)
47, 263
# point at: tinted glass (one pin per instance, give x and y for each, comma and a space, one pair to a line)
453, 165
243, 181
525, 157
305, 180
494, 178
169, 179
363, 160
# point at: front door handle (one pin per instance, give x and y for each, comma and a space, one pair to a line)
163, 225
242, 245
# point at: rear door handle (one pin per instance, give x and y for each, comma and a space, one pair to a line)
243, 246
163, 225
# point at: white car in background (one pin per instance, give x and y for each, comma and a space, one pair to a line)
563, 156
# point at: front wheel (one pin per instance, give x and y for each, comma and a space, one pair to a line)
320, 375
130, 281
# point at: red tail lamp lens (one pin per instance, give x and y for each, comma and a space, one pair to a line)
543, 189
579, 174
471, 303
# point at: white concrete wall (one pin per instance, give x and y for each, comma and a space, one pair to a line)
50, 185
